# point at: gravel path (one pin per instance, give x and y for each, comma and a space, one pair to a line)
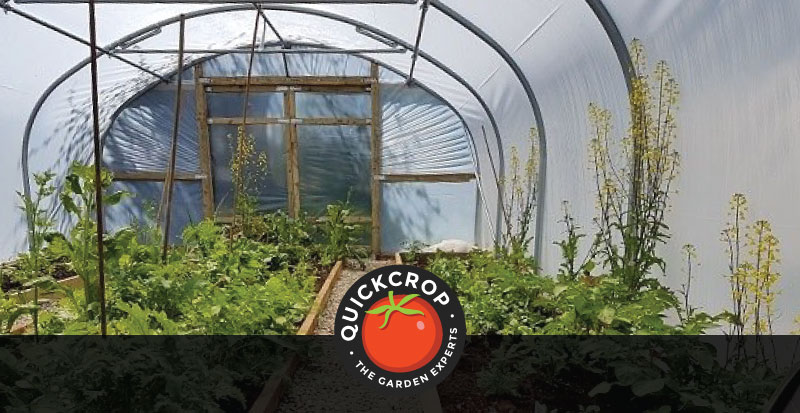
349, 275
321, 385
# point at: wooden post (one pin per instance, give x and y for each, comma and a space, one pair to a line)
170, 179
204, 142
375, 156
292, 148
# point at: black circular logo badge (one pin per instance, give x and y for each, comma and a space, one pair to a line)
400, 329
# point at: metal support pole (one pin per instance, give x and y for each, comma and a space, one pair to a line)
541, 185
98, 178
239, 153
5, 6
284, 45
262, 51
422, 15
250, 69
169, 181
217, 2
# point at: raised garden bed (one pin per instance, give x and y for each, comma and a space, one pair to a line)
269, 398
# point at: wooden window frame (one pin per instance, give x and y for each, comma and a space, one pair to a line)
289, 86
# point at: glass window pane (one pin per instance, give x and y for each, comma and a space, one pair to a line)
269, 183
329, 105
334, 165
261, 105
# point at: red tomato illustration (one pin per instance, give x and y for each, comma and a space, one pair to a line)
401, 333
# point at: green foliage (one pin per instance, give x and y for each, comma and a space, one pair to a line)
248, 168
570, 267
519, 203
33, 264
633, 179
753, 256
209, 285
341, 236
153, 374
80, 248
501, 297
646, 374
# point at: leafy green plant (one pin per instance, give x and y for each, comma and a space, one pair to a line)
248, 168
633, 183
753, 255
341, 237
142, 322
39, 225
140, 373
80, 248
690, 254
501, 298
570, 268
641, 373
519, 204
412, 251
733, 237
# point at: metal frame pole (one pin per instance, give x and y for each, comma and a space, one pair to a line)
98, 177
169, 181
423, 13
239, 172
263, 51
284, 45
5, 6
217, 2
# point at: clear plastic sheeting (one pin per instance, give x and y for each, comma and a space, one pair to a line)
421, 134
140, 138
330, 105
562, 53
334, 163
231, 105
267, 182
427, 213
738, 68
142, 207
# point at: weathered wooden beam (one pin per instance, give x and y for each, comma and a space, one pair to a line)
452, 177
337, 89
349, 220
250, 121
204, 142
154, 176
293, 157
375, 160
289, 81
293, 121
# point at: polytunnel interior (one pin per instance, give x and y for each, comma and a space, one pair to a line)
482, 79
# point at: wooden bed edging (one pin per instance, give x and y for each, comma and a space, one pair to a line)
270, 396
310, 323
70, 282
398, 259
27, 295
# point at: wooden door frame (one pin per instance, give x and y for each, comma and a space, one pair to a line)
289, 86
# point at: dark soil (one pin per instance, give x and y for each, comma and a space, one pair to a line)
58, 269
